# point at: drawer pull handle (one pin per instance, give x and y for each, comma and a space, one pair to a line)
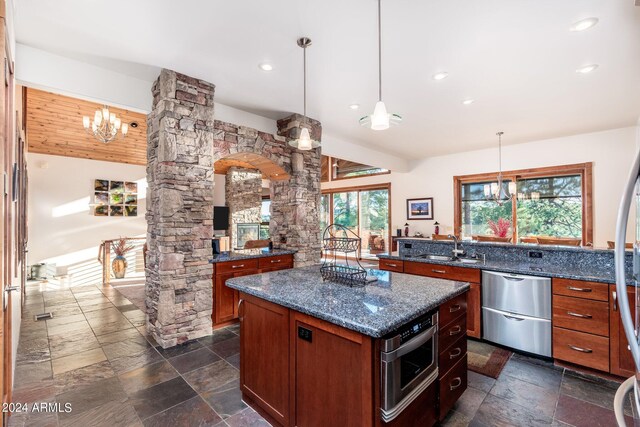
580, 349
615, 301
392, 265
439, 271
454, 308
237, 266
275, 260
573, 288
455, 353
457, 382
582, 316
455, 330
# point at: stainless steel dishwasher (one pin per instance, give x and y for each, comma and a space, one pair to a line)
516, 311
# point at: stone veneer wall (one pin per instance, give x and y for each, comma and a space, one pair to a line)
243, 195
179, 209
295, 220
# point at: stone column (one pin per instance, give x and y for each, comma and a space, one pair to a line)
295, 204
179, 209
243, 195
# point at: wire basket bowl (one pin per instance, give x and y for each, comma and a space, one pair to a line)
338, 239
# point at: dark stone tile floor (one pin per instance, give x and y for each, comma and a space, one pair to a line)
95, 355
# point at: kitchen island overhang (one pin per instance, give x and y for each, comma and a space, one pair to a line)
311, 351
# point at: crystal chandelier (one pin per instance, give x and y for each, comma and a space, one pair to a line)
105, 125
496, 190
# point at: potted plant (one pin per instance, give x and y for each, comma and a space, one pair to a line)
119, 263
500, 229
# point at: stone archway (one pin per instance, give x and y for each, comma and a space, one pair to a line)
183, 142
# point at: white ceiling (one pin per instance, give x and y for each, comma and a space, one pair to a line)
517, 59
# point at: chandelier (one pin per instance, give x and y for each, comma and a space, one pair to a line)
105, 125
496, 190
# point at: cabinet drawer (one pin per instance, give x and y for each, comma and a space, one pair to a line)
580, 348
452, 355
452, 333
274, 262
581, 315
452, 385
442, 271
452, 309
243, 264
391, 265
581, 289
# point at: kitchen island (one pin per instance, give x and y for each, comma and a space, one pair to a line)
320, 353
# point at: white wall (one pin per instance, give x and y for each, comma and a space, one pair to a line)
62, 228
610, 151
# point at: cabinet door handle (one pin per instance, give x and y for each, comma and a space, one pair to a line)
582, 316
573, 288
240, 309
275, 260
439, 271
455, 353
237, 266
455, 330
392, 265
457, 382
615, 301
580, 349
454, 308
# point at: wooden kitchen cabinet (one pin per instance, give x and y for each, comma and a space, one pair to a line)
462, 274
264, 336
333, 371
225, 299
391, 265
621, 359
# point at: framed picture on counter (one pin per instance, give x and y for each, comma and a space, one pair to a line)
420, 208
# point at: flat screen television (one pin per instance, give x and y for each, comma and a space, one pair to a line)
220, 218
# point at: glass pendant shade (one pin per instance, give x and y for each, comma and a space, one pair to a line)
304, 142
86, 122
380, 117
513, 188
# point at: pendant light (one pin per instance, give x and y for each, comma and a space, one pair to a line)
304, 142
496, 190
380, 119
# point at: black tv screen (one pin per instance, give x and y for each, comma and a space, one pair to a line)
220, 217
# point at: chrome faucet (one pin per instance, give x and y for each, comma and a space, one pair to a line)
456, 252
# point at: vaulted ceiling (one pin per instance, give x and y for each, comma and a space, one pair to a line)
516, 59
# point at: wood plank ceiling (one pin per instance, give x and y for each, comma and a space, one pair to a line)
54, 126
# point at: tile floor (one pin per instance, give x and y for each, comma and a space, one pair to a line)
95, 355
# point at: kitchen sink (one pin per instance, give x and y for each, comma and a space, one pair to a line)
439, 257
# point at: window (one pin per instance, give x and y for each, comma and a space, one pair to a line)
550, 202
333, 169
364, 210
265, 217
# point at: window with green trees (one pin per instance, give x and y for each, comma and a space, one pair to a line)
549, 202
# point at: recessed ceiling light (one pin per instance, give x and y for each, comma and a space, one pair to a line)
133, 124
583, 24
265, 67
354, 106
468, 101
440, 76
587, 69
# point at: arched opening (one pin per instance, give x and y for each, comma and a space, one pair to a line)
243, 186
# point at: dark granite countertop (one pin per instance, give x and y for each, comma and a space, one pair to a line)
504, 266
374, 310
249, 253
